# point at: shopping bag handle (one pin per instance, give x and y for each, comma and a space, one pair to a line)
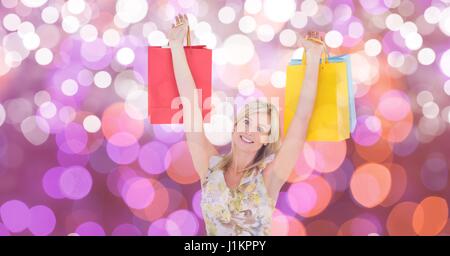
325, 54
188, 36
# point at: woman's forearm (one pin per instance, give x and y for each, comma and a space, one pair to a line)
186, 88
294, 141
309, 88
183, 76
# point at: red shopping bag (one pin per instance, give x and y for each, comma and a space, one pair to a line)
164, 104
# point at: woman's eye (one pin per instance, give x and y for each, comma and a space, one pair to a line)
259, 129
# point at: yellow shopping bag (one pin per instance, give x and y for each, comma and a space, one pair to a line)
330, 120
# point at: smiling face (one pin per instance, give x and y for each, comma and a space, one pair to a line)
251, 132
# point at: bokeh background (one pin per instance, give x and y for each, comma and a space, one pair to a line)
78, 155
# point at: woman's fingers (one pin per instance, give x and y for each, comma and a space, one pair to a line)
180, 19
313, 34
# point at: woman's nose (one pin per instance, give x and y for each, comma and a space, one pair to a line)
250, 129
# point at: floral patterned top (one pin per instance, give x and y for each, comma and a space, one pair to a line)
246, 210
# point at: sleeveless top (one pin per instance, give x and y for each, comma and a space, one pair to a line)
245, 210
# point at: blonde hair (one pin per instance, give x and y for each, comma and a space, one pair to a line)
273, 139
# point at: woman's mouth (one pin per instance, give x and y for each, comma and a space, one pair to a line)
246, 140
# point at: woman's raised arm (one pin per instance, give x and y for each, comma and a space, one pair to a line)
199, 146
279, 170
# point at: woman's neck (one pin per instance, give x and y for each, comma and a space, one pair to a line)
240, 161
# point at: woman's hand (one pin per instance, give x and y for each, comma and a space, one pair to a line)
178, 31
312, 48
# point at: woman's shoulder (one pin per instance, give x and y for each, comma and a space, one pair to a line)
267, 160
212, 167
214, 160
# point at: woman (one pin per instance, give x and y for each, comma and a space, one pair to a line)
240, 189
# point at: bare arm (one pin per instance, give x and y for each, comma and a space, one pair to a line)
278, 171
199, 146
